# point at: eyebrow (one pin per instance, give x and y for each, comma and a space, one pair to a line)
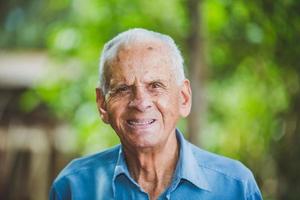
117, 82
113, 86
123, 82
157, 80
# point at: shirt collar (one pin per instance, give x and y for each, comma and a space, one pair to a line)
187, 166
121, 168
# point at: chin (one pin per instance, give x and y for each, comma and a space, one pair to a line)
144, 143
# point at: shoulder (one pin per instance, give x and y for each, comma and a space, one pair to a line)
221, 165
92, 162
84, 176
225, 176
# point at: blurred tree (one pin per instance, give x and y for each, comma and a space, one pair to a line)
285, 19
254, 87
197, 69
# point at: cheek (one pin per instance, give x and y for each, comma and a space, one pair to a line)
115, 111
168, 106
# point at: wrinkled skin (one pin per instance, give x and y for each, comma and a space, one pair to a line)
144, 101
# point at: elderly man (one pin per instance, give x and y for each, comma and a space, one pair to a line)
143, 92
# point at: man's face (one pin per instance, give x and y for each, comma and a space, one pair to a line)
144, 101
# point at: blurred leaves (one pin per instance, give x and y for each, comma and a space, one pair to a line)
244, 110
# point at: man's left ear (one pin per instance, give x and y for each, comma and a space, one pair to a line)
101, 104
185, 98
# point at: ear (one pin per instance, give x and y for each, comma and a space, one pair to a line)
101, 104
185, 98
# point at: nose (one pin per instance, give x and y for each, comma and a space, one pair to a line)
140, 99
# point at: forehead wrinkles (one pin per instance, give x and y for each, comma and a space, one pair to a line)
140, 58
139, 53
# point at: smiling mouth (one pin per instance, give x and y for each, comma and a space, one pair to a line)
140, 123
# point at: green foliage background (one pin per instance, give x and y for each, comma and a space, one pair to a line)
252, 54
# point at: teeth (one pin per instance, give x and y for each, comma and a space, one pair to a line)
140, 122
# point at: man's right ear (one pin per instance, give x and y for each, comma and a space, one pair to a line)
101, 104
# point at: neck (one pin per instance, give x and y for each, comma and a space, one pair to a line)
153, 169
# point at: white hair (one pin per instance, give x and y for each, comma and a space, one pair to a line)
130, 36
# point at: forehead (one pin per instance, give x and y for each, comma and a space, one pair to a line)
147, 60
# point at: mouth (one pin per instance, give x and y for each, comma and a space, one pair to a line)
140, 123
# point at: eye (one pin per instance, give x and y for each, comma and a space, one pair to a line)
119, 91
122, 89
156, 85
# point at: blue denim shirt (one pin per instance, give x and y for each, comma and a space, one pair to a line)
198, 175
